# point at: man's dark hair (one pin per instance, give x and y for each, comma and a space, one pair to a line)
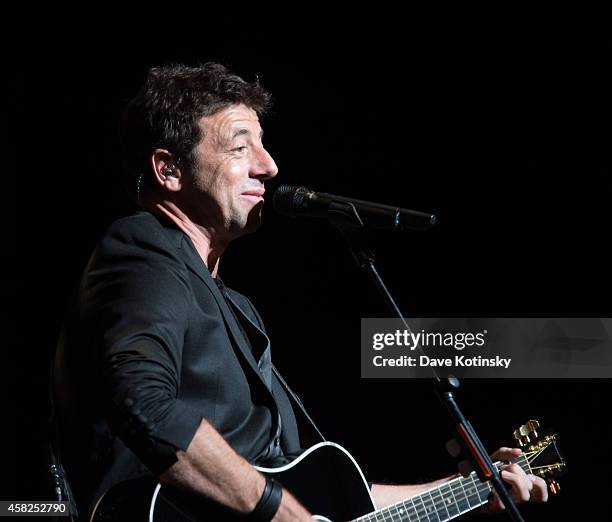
167, 110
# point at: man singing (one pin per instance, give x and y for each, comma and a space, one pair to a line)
162, 370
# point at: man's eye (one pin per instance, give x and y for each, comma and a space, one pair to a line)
240, 149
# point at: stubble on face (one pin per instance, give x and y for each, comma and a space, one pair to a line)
222, 165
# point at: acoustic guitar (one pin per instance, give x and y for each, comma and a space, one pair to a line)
330, 484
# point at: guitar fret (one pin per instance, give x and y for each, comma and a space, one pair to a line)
376, 518
421, 510
434, 510
469, 493
385, 514
473, 477
440, 501
443, 501
430, 505
484, 490
400, 512
459, 493
456, 503
450, 502
415, 510
484, 486
410, 512
393, 512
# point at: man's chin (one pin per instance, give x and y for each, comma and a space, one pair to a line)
250, 224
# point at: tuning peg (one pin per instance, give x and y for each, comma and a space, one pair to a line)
554, 486
532, 426
526, 433
518, 438
521, 436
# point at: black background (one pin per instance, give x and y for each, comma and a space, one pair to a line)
503, 130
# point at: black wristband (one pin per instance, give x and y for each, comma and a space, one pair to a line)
269, 502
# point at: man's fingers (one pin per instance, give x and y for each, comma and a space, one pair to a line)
506, 453
539, 492
524, 487
515, 469
521, 485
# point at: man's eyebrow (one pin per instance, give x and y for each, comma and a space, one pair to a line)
245, 132
240, 132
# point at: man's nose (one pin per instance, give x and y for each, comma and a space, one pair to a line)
264, 167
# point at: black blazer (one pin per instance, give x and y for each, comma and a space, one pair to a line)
151, 348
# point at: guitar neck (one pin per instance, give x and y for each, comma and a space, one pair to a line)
443, 502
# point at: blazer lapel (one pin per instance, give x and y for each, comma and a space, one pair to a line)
194, 262
264, 350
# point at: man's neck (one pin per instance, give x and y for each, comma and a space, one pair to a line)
206, 242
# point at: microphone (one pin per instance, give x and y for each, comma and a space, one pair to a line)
301, 202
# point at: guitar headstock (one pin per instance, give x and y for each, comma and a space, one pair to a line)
542, 453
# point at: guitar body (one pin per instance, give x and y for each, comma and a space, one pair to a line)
325, 478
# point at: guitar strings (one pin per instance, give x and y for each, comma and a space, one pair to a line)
422, 509
455, 485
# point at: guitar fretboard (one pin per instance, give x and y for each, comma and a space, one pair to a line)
440, 503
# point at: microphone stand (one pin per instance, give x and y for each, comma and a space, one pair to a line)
346, 218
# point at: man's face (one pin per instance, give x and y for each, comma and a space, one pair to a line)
232, 166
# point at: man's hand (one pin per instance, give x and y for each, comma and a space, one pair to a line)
524, 487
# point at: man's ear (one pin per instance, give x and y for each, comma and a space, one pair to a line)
166, 172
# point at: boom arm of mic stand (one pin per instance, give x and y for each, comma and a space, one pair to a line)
445, 388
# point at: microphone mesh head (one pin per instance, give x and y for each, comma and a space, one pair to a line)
287, 198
